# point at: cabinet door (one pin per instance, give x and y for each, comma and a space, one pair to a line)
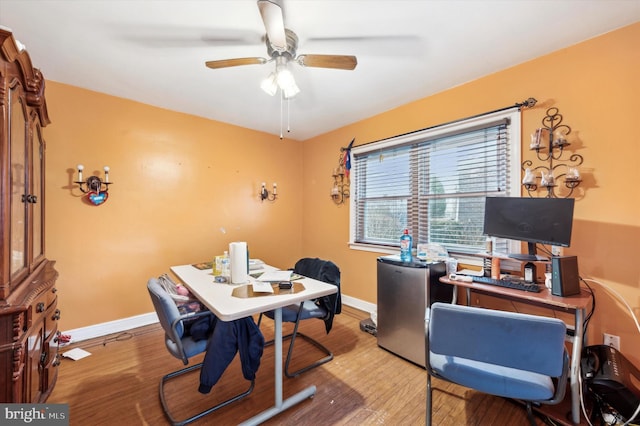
34, 363
51, 359
37, 196
18, 184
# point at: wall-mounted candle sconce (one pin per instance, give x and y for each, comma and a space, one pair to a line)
97, 190
340, 189
341, 182
549, 142
265, 195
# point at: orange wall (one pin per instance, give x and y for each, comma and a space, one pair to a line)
595, 86
184, 188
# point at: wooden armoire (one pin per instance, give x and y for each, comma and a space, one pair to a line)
28, 301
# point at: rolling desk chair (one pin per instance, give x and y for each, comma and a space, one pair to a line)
507, 354
324, 308
181, 345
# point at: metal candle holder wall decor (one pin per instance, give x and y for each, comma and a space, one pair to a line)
559, 169
97, 190
265, 195
341, 182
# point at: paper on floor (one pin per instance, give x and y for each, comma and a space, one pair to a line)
76, 354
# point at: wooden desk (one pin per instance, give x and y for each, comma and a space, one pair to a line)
575, 305
219, 299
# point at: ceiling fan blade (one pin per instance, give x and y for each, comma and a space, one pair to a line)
342, 62
224, 63
273, 19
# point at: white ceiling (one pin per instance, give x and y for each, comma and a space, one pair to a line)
153, 51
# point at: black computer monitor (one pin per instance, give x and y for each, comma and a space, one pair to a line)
534, 220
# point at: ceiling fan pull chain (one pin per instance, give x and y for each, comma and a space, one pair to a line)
281, 98
288, 115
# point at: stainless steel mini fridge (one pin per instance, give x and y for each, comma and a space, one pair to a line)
404, 290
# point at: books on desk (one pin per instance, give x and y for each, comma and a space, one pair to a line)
203, 265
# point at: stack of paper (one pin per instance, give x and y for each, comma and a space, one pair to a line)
255, 264
261, 287
275, 276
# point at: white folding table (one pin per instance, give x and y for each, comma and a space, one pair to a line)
219, 299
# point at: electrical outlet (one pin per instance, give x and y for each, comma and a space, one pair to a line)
612, 340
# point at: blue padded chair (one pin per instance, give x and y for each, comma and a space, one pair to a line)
181, 345
507, 354
324, 308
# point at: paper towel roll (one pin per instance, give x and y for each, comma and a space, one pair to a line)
238, 257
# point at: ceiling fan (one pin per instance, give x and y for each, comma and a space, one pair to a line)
282, 45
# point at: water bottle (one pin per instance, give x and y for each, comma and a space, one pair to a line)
226, 269
406, 242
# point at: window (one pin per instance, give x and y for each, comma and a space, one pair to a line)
434, 182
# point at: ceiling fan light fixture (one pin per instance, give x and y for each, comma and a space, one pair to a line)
287, 83
291, 91
269, 84
282, 46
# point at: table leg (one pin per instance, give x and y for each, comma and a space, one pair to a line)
575, 366
280, 405
278, 357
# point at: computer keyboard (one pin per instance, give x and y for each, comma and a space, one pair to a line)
508, 283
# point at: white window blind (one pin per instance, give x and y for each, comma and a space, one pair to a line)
434, 182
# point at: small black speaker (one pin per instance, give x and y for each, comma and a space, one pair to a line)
564, 276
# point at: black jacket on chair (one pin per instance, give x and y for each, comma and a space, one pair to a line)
326, 271
229, 337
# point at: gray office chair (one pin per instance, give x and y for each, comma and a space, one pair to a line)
507, 354
182, 345
324, 308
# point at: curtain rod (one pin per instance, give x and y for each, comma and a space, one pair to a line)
527, 103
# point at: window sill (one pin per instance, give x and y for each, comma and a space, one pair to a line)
374, 248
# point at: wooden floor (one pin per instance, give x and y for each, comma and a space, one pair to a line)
363, 385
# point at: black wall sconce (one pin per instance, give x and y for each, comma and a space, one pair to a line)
97, 190
340, 189
550, 143
265, 195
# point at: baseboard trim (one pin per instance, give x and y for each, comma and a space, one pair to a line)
111, 327
369, 307
124, 324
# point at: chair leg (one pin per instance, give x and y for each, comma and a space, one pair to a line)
292, 336
327, 358
165, 407
530, 416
